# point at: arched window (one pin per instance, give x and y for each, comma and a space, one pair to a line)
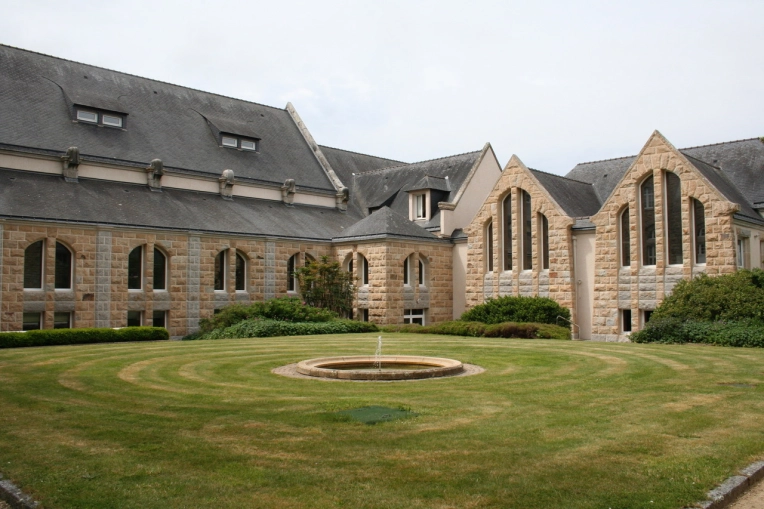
421, 273
220, 270
135, 269
674, 218
647, 204
241, 272
544, 242
625, 239
506, 208
527, 240
33, 258
291, 277
63, 279
489, 247
160, 270
407, 271
699, 231
364, 269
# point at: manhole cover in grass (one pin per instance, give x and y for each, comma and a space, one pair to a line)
374, 414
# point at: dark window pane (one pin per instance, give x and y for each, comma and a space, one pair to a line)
33, 265
699, 218
31, 321
421, 272
625, 239
626, 320
220, 270
63, 266
406, 271
527, 232
648, 222
160, 270
160, 318
545, 242
134, 318
489, 247
291, 264
135, 269
507, 210
674, 218
241, 272
62, 320
365, 265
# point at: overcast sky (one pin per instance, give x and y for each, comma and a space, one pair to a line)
556, 83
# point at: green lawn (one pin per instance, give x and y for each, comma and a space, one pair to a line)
550, 424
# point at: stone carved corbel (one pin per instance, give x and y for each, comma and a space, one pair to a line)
226, 184
155, 171
71, 161
288, 191
342, 197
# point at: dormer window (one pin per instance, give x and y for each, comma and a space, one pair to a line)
420, 206
239, 143
100, 118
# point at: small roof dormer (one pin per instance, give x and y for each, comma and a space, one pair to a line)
424, 195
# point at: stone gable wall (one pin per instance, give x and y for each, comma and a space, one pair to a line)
641, 287
556, 282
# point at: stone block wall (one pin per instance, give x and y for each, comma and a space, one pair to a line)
639, 287
555, 282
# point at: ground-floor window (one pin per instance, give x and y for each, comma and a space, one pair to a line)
625, 320
62, 320
160, 318
134, 318
413, 316
364, 315
32, 321
646, 314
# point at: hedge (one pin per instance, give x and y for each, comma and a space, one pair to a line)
518, 309
259, 328
479, 329
286, 309
746, 333
47, 337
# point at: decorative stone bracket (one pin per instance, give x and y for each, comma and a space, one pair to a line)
71, 162
288, 191
226, 184
155, 171
342, 197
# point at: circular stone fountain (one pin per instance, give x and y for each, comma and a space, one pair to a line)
380, 367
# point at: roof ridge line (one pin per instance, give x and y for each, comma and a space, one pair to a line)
604, 160
361, 153
417, 162
141, 77
700, 160
561, 176
721, 143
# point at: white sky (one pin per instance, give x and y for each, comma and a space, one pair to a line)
555, 82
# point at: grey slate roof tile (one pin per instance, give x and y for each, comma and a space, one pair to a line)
164, 121
28, 195
603, 175
384, 223
577, 199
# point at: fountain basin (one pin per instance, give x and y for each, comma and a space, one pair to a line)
393, 367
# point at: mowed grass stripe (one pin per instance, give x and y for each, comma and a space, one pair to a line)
549, 424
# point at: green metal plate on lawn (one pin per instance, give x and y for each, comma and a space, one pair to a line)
375, 414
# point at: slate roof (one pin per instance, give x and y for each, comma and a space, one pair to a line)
176, 124
603, 175
39, 196
577, 199
382, 224
385, 187
345, 163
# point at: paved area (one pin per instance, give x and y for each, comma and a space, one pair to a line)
753, 499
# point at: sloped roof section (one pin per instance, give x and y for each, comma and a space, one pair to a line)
429, 182
577, 199
384, 223
345, 163
38, 94
38, 196
602, 175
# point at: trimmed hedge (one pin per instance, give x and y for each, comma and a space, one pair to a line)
478, 329
259, 328
518, 309
47, 337
746, 333
287, 309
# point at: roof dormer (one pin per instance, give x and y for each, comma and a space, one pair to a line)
424, 195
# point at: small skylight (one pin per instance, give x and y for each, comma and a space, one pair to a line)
230, 142
111, 120
248, 145
87, 116
100, 117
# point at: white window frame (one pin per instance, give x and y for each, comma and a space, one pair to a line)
229, 141
410, 315
407, 271
39, 320
165, 315
80, 117
68, 321
141, 318
364, 266
245, 143
422, 274
116, 123
626, 322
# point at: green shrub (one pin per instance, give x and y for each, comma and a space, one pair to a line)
729, 297
289, 309
458, 328
404, 327
47, 337
512, 330
265, 328
550, 331
748, 333
661, 330
518, 309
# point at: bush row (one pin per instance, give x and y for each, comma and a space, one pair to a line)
288, 309
518, 309
478, 329
48, 337
670, 329
265, 328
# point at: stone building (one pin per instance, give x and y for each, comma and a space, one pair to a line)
126, 201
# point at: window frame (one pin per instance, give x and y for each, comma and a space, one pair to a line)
220, 271
625, 319
142, 260
59, 314
364, 270
672, 208
649, 250
24, 321
86, 111
154, 278
407, 271
526, 221
292, 283
27, 267
543, 228
422, 273
488, 239
70, 271
240, 284
154, 314
411, 315
235, 141
243, 147
420, 207
698, 241
506, 234
624, 244
120, 121
140, 316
